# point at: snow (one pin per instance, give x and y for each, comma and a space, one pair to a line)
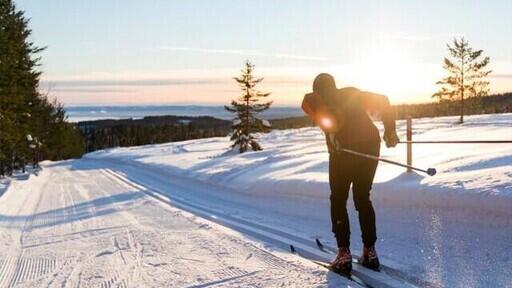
191, 214
4, 183
78, 225
266, 123
429, 227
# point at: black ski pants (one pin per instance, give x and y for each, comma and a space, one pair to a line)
346, 170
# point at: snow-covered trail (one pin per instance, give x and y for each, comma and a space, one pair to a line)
445, 248
77, 225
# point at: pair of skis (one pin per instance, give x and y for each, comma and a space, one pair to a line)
326, 265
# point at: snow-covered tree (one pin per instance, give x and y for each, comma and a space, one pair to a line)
246, 107
467, 74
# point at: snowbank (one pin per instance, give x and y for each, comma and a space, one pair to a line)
4, 183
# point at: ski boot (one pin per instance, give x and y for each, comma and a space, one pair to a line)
369, 258
342, 264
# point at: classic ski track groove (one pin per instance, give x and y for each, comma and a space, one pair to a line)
20, 268
388, 270
267, 233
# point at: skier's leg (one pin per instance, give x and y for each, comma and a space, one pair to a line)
339, 181
366, 213
361, 192
363, 180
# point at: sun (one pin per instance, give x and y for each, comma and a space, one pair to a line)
383, 68
389, 70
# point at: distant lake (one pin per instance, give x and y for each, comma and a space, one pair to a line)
86, 113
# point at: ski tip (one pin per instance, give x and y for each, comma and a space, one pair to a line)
292, 249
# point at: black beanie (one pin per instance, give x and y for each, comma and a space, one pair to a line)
324, 84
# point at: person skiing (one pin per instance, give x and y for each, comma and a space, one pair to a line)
343, 115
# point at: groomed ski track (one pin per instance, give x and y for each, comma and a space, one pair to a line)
138, 178
77, 224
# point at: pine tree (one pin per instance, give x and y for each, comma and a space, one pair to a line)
246, 107
467, 74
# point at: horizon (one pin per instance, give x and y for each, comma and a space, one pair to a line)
219, 104
101, 53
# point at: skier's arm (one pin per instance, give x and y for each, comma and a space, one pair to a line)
380, 103
318, 112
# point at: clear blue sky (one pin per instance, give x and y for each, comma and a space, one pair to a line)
187, 51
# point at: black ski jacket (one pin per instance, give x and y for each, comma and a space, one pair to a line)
351, 108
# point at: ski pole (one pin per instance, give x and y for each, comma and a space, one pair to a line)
429, 171
457, 142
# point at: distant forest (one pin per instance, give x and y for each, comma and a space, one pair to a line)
500, 103
101, 134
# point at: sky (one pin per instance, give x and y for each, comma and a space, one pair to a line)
187, 52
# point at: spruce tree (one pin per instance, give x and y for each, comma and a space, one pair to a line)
246, 107
31, 127
467, 73
19, 80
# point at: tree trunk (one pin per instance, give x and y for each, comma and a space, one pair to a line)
462, 107
10, 168
462, 92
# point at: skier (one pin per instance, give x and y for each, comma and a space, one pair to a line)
343, 115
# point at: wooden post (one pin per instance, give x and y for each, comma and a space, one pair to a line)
409, 144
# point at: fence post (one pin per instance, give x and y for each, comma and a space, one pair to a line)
409, 144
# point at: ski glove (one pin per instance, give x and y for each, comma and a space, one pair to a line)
391, 139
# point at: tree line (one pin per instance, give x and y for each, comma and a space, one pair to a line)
32, 127
102, 134
499, 103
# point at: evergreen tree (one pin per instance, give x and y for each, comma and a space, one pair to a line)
18, 85
28, 121
467, 74
246, 107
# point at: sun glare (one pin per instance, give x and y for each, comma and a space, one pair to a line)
389, 70
326, 122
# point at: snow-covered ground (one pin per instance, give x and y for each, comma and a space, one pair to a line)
452, 229
4, 183
77, 225
92, 222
